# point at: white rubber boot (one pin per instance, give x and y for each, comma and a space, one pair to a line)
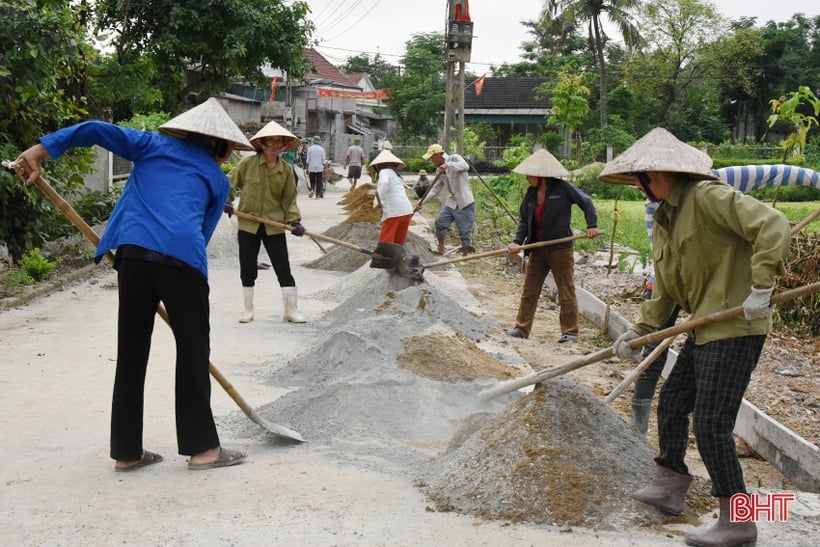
247, 317
289, 303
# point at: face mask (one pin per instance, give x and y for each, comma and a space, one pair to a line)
644, 181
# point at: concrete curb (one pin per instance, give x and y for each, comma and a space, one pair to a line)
47, 287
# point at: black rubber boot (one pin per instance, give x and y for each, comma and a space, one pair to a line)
640, 415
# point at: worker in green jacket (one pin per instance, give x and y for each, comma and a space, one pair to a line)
713, 248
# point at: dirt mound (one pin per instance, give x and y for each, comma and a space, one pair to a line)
558, 456
451, 359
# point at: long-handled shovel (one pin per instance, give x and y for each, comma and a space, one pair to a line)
649, 359
81, 225
496, 196
636, 343
385, 256
643, 365
504, 251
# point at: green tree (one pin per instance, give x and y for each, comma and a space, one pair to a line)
376, 67
199, 47
547, 52
751, 65
677, 33
565, 15
570, 106
788, 109
417, 95
43, 52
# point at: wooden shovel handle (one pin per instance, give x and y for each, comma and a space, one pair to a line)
92, 236
636, 343
312, 235
505, 251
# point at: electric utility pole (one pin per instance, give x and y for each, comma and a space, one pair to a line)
459, 44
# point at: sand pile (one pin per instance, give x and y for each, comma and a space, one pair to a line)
557, 456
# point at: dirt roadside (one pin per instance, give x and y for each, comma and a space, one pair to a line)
59, 487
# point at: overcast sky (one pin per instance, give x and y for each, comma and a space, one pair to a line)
348, 27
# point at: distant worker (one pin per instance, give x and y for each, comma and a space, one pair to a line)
370, 157
460, 205
266, 189
545, 214
353, 162
396, 207
316, 168
422, 184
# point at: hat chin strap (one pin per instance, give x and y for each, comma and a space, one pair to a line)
644, 181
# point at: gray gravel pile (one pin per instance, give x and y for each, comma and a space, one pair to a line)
349, 394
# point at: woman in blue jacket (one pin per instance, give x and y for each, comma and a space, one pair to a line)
159, 228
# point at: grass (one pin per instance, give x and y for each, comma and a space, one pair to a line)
631, 226
494, 223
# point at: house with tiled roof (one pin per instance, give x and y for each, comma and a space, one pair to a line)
509, 104
327, 103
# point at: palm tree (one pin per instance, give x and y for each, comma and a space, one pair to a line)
563, 16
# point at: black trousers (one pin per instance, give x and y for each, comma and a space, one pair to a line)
648, 379
142, 286
316, 183
708, 381
277, 249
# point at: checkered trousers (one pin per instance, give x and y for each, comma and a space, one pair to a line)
707, 381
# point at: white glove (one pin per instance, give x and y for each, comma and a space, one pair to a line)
622, 348
758, 304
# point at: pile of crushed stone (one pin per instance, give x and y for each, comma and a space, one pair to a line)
350, 394
557, 456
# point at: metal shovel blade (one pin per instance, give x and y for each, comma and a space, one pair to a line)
386, 256
274, 428
410, 267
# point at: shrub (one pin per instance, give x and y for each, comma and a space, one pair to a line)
36, 266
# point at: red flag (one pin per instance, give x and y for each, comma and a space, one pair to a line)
479, 85
462, 10
273, 89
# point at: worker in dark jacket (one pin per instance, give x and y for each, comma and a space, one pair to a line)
545, 215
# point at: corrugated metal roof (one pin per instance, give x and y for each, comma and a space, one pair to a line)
506, 111
504, 93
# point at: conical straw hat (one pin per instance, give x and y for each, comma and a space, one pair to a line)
273, 129
541, 164
658, 150
386, 156
208, 118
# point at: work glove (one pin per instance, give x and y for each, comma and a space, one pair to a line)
228, 209
622, 348
297, 229
758, 304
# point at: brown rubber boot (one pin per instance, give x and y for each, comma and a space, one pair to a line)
725, 532
441, 249
666, 492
